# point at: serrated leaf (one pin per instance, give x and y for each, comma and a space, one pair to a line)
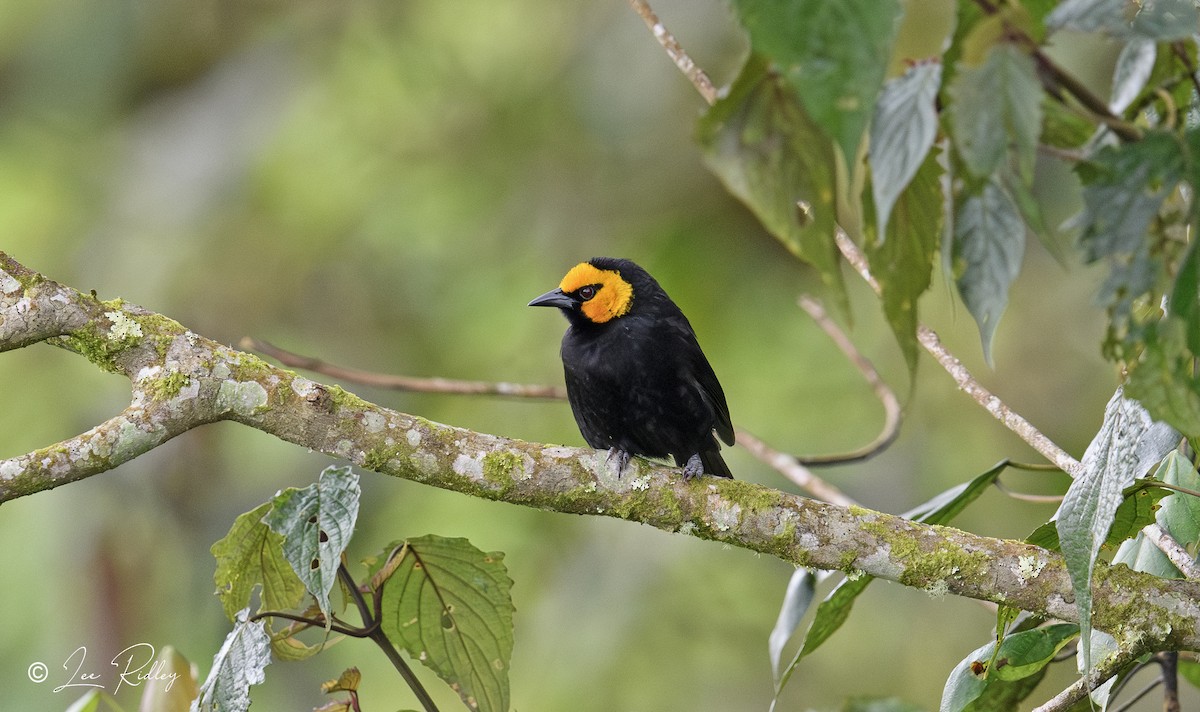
316, 523
1020, 655
772, 157
989, 243
1128, 441
902, 133
997, 108
903, 265
239, 663
834, 54
250, 555
448, 604
1123, 188
173, 687
801, 590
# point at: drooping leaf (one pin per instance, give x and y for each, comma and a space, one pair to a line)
835, 609
1123, 188
316, 523
239, 663
997, 108
834, 55
772, 157
902, 133
249, 555
1020, 656
989, 243
448, 604
1128, 443
903, 264
801, 590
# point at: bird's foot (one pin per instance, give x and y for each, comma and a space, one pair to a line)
694, 467
622, 458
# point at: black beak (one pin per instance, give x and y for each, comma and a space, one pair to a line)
554, 298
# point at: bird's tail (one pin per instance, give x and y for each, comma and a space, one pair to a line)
714, 464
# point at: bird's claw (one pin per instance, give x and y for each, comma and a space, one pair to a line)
694, 468
622, 458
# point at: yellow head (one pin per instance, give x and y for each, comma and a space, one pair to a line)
604, 294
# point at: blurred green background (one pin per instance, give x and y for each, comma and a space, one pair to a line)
385, 184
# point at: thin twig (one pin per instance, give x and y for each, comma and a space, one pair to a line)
793, 469
402, 383
681, 59
966, 382
886, 396
1022, 496
1180, 49
1140, 694
1173, 550
1101, 673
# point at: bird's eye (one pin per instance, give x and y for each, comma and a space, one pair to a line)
586, 293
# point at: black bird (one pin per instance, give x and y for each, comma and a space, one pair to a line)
636, 378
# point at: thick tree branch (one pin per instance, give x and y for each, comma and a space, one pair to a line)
182, 380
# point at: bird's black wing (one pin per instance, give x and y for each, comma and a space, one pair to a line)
710, 391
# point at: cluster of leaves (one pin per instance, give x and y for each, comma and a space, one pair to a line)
442, 601
827, 128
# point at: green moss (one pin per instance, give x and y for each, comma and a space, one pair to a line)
93, 346
923, 569
498, 467
168, 386
377, 459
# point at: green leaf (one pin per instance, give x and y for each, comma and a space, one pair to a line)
834, 54
90, 702
903, 265
164, 693
1137, 509
997, 106
316, 523
1179, 513
1124, 186
1128, 443
448, 604
240, 663
1190, 670
1185, 297
251, 555
902, 133
989, 242
772, 157
1021, 655
1006, 695
1164, 379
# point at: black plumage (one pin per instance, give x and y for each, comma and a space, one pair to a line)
637, 380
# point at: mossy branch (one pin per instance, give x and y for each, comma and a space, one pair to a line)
181, 380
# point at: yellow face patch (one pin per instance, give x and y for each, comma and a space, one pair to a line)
612, 295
